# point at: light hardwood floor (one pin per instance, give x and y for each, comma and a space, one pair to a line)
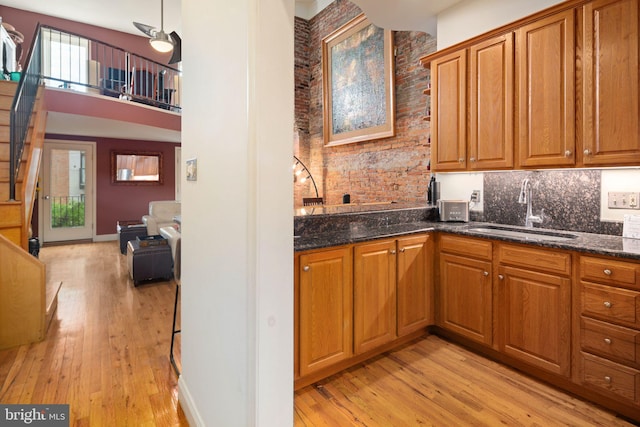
106, 355
106, 351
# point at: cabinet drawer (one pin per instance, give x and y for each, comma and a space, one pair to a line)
609, 271
611, 377
537, 259
474, 248
611, 304
611, 341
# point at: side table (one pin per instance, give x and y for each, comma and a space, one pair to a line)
149, 262
130, 230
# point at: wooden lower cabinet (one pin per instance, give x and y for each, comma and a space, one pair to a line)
464, 288
414, 288
608, 328
325, 294
374, 295
534, 300
354, 302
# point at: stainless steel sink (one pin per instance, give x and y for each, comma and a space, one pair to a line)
538, 235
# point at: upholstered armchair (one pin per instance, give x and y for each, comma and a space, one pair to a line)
161, 214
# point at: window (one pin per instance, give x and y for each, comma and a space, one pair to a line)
65, 59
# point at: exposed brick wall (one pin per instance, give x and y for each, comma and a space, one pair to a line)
390, 169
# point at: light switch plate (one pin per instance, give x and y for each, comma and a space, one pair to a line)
623, 200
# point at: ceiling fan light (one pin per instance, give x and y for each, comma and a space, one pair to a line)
161, 42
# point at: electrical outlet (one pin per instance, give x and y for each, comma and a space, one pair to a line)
623, 200
475, 196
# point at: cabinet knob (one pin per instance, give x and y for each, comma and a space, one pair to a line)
607, 340
472, 159
402, 250
500, 276
486, 273
607, 304
460, 160
568, 153
306, 268
392, 251
607, 379
607, 272
587, 152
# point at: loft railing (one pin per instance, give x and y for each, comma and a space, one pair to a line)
75, 62
22, 108
70, 61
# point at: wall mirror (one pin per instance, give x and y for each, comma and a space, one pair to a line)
135, 167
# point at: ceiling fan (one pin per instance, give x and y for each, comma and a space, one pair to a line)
161, 41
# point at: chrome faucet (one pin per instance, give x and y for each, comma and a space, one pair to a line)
525, 196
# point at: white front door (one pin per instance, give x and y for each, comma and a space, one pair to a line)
67, 195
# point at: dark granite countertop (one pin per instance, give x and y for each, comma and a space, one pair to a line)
598, 244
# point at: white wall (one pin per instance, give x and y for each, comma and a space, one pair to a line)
458, 186
237, 258
470, 18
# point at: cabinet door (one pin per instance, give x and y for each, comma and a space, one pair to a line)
326, 309
465, 297
448, 112
535, 318
610, 83
546, 84
415, 283
374, 295
491, 104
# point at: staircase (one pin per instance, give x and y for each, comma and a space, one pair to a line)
15, 215
27, 301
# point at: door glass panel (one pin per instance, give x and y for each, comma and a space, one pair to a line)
67, 188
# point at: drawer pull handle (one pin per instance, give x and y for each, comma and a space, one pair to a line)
607, 272
306, 268
607, 379
607, 340
607, 304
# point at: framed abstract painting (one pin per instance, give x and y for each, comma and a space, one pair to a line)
358, 83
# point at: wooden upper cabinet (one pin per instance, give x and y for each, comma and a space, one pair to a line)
610, 83
491, 102
448, 112
545, 58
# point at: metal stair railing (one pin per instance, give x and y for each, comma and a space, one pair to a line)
22, 108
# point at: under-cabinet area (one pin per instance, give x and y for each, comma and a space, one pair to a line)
552, 310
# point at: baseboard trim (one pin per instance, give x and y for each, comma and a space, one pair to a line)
188, 405
105, 237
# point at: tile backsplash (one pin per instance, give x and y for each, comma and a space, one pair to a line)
572, 199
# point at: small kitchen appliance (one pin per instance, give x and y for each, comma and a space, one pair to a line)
453, 210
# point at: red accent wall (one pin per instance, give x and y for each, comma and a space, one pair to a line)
70, 102
123, 202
